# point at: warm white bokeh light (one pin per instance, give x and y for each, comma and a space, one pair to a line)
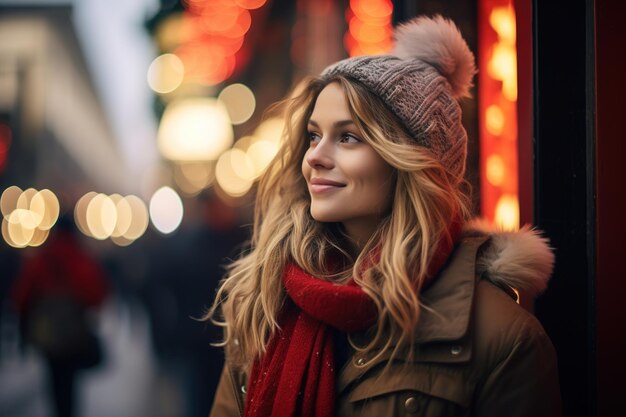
166, 210
192, 178
121, 241
124, 217
46, 205
20, 234
39, 237
8, 200
261, 153
166, 73
196, 129
140, 220
27, 216
244, 142
23, 201
239, 102
6, 235
101, 216
234, 172
270, 130
80, 212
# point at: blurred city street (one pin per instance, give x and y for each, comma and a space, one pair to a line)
126, 385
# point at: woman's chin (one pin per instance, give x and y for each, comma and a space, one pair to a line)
324, 216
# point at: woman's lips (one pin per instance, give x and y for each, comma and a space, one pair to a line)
319, 188
320, 185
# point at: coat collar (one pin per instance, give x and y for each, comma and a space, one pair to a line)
442, 334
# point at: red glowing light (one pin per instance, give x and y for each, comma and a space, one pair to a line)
498, 113
369, 27
5, 144
212, 33
250, 4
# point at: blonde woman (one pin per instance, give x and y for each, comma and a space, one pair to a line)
364, 292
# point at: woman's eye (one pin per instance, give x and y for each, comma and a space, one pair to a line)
313, 137
349, 138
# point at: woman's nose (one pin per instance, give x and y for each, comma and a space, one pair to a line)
321, 155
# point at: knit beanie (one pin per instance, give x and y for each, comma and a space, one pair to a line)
429, 70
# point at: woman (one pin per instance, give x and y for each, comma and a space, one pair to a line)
364, 293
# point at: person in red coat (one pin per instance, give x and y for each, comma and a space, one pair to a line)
53, 293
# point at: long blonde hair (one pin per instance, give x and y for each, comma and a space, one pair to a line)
425, 198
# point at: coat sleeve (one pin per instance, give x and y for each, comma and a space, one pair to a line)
524, 383
227, 402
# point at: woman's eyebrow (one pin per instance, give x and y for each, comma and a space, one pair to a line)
339, 123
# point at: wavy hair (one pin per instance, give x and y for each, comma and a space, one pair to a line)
425, 198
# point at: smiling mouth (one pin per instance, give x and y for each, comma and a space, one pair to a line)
318, 185
323, 188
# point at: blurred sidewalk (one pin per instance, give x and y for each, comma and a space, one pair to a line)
126, 384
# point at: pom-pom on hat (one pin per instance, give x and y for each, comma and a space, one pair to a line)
430, 68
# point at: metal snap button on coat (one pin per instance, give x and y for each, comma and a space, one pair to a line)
360, 361
455, 350
411, 404
243, 389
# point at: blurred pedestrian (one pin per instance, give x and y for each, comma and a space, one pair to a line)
55, 294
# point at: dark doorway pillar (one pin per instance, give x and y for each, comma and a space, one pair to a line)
564, 188
610, 280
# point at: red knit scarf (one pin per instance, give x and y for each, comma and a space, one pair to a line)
296, 376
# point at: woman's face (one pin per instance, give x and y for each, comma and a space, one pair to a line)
348, 181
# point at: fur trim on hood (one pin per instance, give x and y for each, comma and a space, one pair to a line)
522, 260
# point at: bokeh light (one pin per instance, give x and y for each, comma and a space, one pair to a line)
369, 27
250, 4
502, 20
495, 170
196, 129
244, 142
8, 200
234, 172
211, 35
18, 227
494, 118
46, 205
123, 219
166, 210
140, 218
503, 62
191, 178
27, 216
80, 212
23, 201
101, 216
166, 73
261, 153
39, 237
239, 102
270, 130
507, 212
6, 235
124, 215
